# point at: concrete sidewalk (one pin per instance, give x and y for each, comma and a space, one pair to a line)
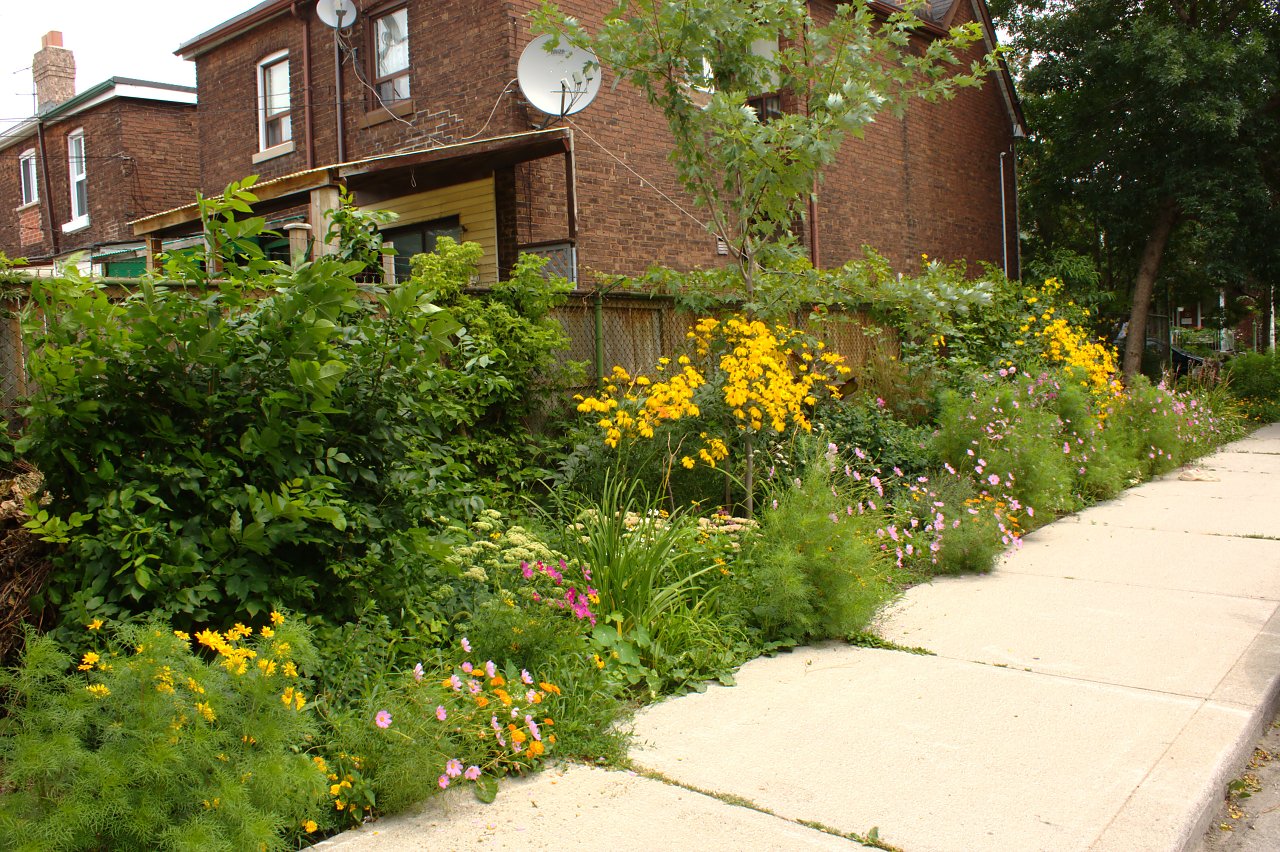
1096, 692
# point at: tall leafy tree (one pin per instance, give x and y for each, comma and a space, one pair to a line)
699, 62
1154, 125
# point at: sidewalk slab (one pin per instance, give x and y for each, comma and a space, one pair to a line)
1253, 513
1106, 632
939, 754
1244, 567
580, 807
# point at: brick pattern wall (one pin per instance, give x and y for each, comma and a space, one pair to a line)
140, 159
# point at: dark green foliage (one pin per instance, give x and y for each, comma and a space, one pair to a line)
1255, 380
889, 442
141, 766
504, 364
211, 452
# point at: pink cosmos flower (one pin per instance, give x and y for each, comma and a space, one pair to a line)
490, 669
453, 768
455, 682
418, 672
383, 719
466, 646
467, 667
443, 781
472, 773
525, 677
441, 713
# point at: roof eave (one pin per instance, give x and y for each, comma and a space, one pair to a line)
233, 27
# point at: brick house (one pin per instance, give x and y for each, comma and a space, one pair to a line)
74, 175
420, 114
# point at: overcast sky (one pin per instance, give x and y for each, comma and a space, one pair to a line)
110, 38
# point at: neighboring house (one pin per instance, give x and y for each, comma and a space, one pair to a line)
74, 175
421, 116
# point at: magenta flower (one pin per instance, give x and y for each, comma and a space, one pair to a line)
453, 768
383, 719
441, 713
467, 667
443, 781
455, 682
472, 773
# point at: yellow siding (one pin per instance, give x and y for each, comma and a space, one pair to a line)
471, 202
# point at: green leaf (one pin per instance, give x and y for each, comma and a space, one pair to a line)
486, 788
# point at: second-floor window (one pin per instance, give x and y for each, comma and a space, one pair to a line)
275, 125
27, 177
78, 177
391, 56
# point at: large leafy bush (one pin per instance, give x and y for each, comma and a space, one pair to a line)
216, 445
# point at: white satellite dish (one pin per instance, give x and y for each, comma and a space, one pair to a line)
560, 81
337, 13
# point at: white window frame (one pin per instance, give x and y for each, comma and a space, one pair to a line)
28, 177
285, 145
398, 78
77, 176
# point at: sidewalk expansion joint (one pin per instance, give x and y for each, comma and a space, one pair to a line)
1014, 667
870, 839
1138, 585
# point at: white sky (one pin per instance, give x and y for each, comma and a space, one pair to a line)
110, 38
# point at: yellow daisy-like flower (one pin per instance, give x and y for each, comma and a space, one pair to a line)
276, 618
98, 690
95, 624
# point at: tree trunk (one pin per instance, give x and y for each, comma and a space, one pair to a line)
1136, 339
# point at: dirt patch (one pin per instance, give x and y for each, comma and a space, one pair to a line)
24, 559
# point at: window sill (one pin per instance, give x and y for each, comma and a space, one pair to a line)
77, 224
273, 152
390, 112
27, 206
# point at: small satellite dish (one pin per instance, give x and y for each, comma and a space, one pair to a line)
338, 14
560, 81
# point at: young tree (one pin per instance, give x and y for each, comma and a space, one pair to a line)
1154, 126
699, 62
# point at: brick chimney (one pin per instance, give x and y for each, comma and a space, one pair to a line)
54, 71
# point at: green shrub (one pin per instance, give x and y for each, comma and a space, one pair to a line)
1255, 380
863, 422
150, 745
817, 569
210, 453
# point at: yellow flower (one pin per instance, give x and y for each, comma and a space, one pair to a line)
95, 624
276, 618
309, 826
98, 690
206, 711
267, 631
87, 662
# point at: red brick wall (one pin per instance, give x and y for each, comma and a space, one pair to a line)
140, 159
925, 184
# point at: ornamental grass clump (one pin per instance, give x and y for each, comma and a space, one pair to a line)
154, 740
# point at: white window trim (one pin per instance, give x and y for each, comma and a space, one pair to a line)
29, 156
80, 221
274, 150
